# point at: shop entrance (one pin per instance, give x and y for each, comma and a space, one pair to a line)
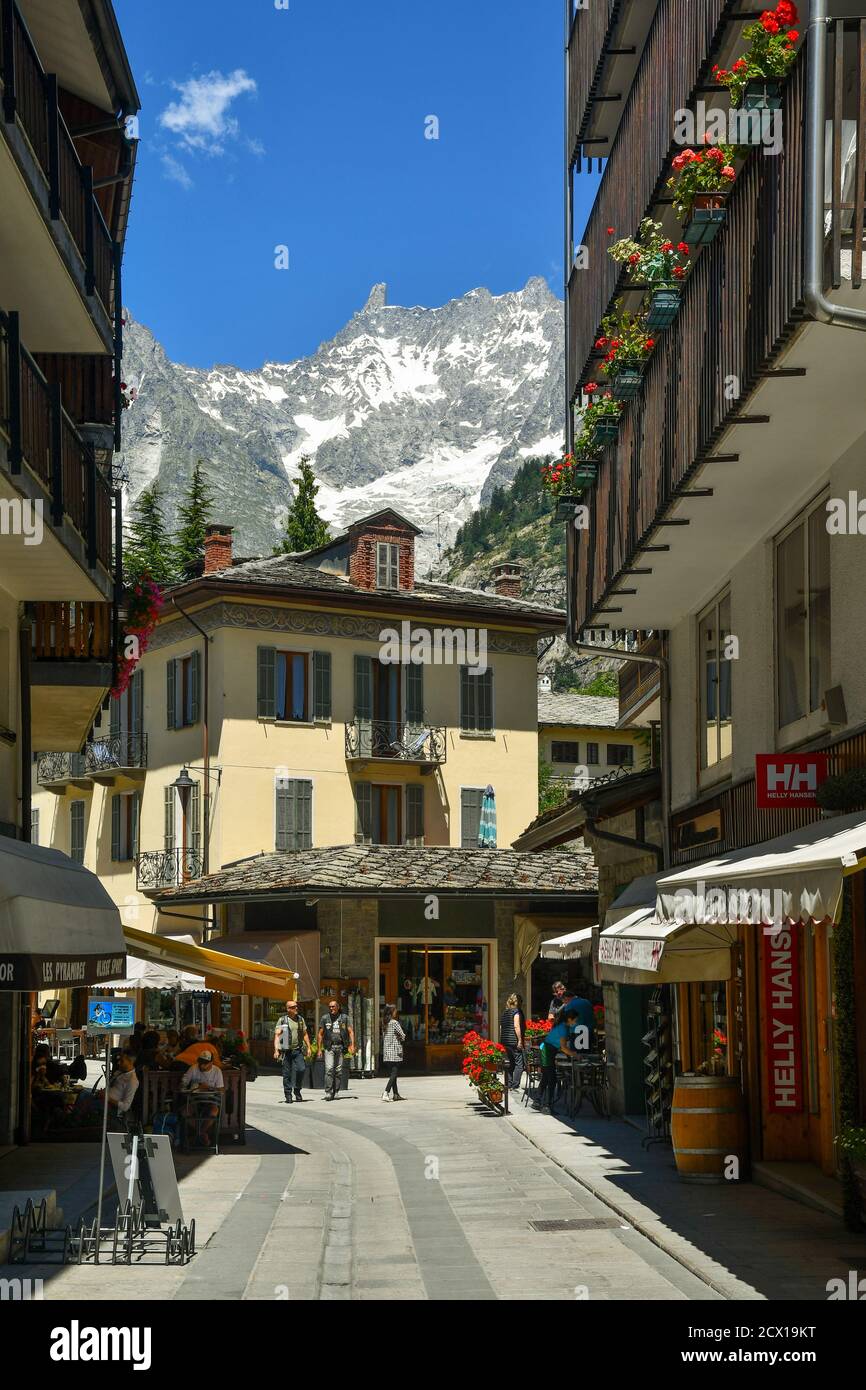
442, 991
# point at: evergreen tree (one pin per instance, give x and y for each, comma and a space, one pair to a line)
148, 547
304, 527
193, 515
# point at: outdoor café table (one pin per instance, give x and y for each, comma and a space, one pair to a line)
160, 1089
590, 1079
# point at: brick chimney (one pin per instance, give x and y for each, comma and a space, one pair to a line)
386, 529
217, 548
508, 580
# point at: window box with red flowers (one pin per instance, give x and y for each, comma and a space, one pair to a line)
755, 80
600, 424
566, 479
701, 182
660, 263
627, 345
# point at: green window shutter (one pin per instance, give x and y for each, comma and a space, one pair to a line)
168, 818
266, 697
194, 827
134, 817
170, 695
115, 827
414, 694
195, 690
364, 809
136, 704
414, 815
321, 685
468, 715
76, 831
470, 816
303, 815
285, 814
363, 687
114, 718
485, 699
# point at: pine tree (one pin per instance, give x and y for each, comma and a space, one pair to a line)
148, 548
193, 515
304, 527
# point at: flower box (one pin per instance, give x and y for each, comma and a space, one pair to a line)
707, 217
606, 429
565, 506
625, 383
664, 306
763, 94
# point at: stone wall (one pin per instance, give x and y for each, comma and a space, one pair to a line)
613, 1043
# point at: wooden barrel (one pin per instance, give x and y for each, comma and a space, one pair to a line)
708, 1127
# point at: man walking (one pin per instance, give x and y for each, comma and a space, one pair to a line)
336, 1035
292, 1046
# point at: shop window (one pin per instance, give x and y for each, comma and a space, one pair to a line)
620, 755
440, 991
183, 691
565, 752
714, 630
476, 700
803, 616
76, 831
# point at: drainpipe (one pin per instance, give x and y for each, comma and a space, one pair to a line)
817, 303
205, 740
664, 672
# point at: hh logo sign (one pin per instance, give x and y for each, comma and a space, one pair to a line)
789, 779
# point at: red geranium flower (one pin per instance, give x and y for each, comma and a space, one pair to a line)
684, 248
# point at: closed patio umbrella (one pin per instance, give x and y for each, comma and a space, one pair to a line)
487, 823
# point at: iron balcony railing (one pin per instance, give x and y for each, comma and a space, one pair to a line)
167, 868
396, 741
30, 95
59, 767
116, 753
43, 438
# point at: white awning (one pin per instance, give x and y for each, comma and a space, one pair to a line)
59, 929
636, 948
796, 877
572, 946
149, 974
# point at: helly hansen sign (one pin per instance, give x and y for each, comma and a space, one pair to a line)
783, 1041
789, 779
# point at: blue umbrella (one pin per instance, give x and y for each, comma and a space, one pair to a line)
487, 823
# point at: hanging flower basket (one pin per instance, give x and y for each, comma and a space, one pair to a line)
709, 211
664, 306
626, 382
763, 94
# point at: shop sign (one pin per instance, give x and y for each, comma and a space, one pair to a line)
629, 953
782, 1022
789, 779
33, 972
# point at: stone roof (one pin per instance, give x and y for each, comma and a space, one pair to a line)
388, 870
292, 572
588, 711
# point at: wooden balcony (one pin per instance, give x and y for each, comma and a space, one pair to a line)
639, 681
71, 671
605, 45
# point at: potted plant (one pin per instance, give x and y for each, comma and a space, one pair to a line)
755, 80
565, 479
483, 1061
600, 422
701, 182
852, 1146
627, 344
654, 259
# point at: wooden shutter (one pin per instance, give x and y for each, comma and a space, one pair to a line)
485, 699
171, 695
114, 717
364, 810
134, 818
470, 816
364, 704
136, 704
303, 815
266, 697
414, 815
195, 687
115, 825
415, 695
76, 831
194, 826
169, 831
285, 815
468, 716
321, 685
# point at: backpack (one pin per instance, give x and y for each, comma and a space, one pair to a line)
78, 1068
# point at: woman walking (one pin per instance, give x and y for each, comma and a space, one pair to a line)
393, 1039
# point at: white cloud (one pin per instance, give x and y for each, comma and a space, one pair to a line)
200, 118
175, 171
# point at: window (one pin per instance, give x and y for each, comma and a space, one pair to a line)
387, 815
183, 691
620, 755
476, 700
188, 803
803, 616
294, 814
127, 710
293, 686
76, 831
124, 826
471, 799
387, 565
592, 754
714, 629
565, 752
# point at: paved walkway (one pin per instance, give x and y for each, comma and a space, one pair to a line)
435, 1199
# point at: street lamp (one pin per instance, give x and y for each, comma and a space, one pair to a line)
184, 783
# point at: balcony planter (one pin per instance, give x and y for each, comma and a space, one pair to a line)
606, 430
565, 505
763, 94
707, 217
664, 306
626, 382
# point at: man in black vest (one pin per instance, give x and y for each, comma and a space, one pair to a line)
335, 1037
292, 1046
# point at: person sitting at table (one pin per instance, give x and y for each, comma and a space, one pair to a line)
123, 1086
203, 1076
559, 1039
41, 1055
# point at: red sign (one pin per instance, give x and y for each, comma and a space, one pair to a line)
783, 1034
789, 779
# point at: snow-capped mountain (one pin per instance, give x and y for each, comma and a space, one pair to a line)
424, 410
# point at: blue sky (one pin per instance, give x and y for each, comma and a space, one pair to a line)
305, 127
